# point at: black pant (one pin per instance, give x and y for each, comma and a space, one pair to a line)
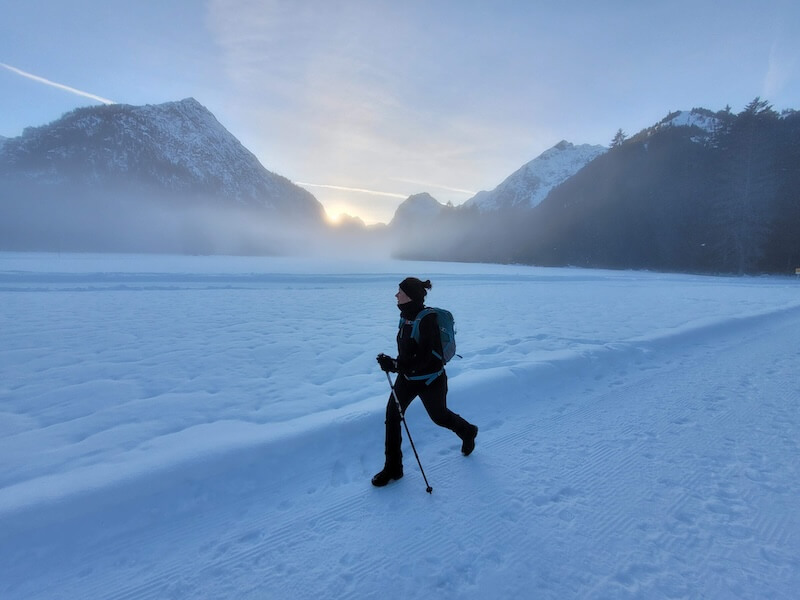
434, 398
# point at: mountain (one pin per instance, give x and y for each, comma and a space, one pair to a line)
155, 174
415, 209
706, 123
424, 228
530, 184
698, 191
176, 148
523, 189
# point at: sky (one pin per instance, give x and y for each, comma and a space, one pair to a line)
367, 102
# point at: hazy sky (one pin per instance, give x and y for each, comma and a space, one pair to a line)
365, 102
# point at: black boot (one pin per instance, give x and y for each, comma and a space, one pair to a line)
468, 442
389, 474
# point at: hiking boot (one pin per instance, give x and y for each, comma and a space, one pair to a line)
388, 475
468, 443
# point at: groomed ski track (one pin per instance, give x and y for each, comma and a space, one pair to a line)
666, 469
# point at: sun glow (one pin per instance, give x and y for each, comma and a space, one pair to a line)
340, 213
344, 204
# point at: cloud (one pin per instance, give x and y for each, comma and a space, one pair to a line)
352, 189
60, 86
780, 70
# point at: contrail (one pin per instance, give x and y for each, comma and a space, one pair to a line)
60, 86
435, 185
352, 189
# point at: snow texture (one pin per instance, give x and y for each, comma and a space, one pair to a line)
531, 183
692, 118
206, 428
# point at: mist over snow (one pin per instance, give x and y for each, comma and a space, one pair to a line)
699, 191
154, 178
206, 427
171, 149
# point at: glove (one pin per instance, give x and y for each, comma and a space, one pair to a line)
387, 363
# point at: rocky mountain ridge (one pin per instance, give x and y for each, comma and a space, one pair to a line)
530, 184
171, 149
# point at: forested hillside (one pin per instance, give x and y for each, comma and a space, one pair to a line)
674, 197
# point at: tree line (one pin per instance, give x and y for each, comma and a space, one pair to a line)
673, 198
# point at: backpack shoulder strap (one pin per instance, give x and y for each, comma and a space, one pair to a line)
415, 328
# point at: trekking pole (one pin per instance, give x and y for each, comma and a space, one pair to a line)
429, 489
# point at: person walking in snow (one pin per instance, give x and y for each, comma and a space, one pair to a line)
420, 373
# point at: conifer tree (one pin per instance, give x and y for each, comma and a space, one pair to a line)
746, 187
618, 139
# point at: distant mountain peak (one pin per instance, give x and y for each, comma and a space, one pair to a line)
174, 148
530, 184
190, 101
415, 208
562, 145
422, 199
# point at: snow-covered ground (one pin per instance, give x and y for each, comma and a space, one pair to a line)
206, 428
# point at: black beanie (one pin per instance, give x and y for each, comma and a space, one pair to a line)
416, 289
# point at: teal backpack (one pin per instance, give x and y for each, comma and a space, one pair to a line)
447, 331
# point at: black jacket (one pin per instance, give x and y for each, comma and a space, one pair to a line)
415, 359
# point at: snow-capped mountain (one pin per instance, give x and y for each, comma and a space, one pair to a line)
176, 148
530, 184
